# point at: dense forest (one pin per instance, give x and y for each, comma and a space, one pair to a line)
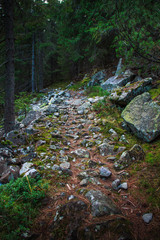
79, 119
62, 40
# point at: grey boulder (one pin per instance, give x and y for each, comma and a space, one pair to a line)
142, 116
101, 204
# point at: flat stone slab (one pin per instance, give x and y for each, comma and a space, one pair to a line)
142, 116
117, 81
101, 204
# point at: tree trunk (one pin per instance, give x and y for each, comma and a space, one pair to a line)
33, 63
9, 114
40, 68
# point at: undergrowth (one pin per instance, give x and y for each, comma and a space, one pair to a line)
96, 91
23, 102
146, 173
19, 204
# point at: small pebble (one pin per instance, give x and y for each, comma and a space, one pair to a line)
147, 217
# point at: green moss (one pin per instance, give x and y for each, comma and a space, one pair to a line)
96, 91
6, 142
155, 93
42, 148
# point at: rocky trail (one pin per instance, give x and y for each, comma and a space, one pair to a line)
90, 195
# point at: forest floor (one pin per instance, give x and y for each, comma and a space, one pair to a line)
142, 179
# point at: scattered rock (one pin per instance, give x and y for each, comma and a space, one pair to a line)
11, 173
31, 116
65, 165
56, 167
108, 149
123, 186
32, 173
83, 108
94, 129
71, 215
87, 174
81, 153
17, 137
105, 172
84, 183
136, 153
97, 78
92, 164
115, 184
28, 157
147, 218
25, 167
101, 204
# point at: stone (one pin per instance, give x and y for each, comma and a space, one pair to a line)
40, 143
11, 173
119, 67
71, 197
124, 95
94, 129
32, 173
91, 116
25, 167
30, 130
56, 167
142, 115
147, 217
97, 78
92, 164
76, 102
52, 108
81, 153
17, 137
123, 139
84, 183
65, 165
105, 172
28, 157
123, 186
3, 165
84, 107
101, 204
31, 116
136, 153
71, 215
95, 99
87, 174
117, 81
108, 149
115, 184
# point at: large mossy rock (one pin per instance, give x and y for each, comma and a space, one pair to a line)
142, 115
124, 95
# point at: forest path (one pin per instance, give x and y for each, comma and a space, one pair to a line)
81, 164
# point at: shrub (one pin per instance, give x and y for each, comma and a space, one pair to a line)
19, 202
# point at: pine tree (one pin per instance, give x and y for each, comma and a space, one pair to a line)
9, 115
